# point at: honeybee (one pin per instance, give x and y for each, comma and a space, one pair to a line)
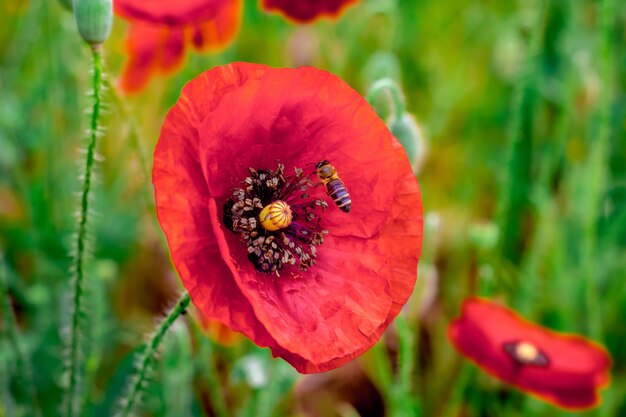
335, 188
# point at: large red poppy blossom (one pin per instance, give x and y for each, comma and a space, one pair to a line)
304, 11
161, 30
565, 370
321, 289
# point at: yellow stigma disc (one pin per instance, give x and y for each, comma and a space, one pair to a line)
275, 216
527, 352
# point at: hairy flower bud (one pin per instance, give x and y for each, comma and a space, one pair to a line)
94, 19
408, 132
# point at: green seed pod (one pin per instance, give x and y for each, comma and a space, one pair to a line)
409, 134
94, 19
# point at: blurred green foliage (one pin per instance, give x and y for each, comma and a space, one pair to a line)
508, 95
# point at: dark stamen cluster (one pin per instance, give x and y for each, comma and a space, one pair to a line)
295, 244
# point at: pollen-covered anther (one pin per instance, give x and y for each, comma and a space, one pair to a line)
276, 219
275, 216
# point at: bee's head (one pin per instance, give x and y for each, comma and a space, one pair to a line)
321, 164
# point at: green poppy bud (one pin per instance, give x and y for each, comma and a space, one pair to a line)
387, 99
94, 19
409, 134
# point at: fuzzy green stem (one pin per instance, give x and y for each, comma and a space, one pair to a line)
598, 172
76, 367
147, 357
25, 373
392, 91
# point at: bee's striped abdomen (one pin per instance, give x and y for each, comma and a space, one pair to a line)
337, 191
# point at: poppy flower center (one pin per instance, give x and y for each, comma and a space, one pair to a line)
276, 219
526, 353
275, 216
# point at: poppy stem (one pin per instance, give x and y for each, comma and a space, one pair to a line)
393, 93
22, 364
138, 382
72, 400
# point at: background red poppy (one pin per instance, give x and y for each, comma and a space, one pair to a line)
576, 367
160, 32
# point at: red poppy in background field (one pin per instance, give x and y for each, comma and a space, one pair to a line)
161, 30
565, 370
257, 241
303, 11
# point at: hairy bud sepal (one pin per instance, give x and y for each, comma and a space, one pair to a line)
409, 134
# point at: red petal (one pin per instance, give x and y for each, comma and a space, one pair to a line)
577, 367
173, 13
152, 49
183, 203
244, 115
303, 11
217, 32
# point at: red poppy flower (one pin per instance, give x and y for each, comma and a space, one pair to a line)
160, 31
565, 370
257, 241
304, 11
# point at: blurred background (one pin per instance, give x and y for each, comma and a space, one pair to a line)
524, 199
